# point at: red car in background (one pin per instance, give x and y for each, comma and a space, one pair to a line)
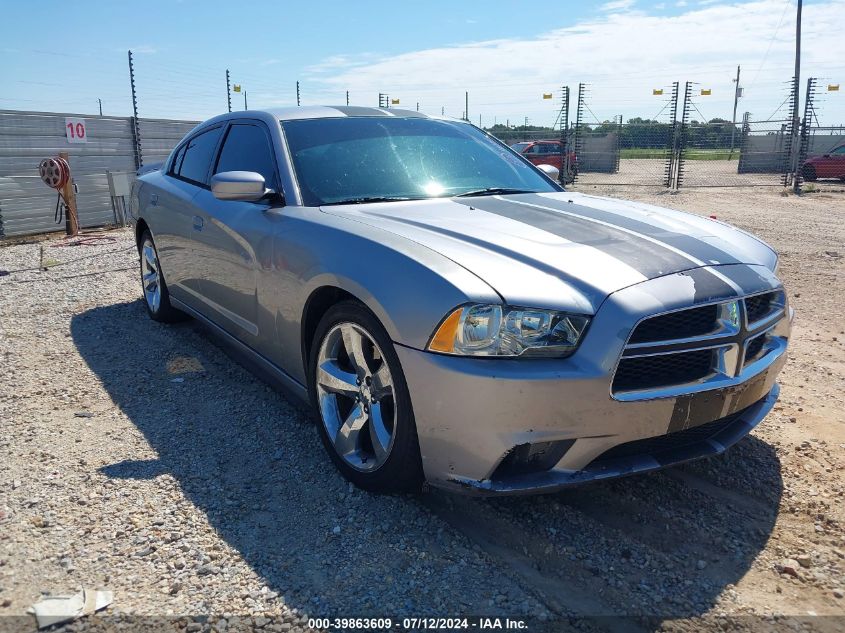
545, 153
829, 165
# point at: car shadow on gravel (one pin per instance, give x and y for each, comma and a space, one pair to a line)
663, 545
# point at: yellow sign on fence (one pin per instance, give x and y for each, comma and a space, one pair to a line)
657, 91
236, 88
833, 87
706, 92
394, 102
547, 95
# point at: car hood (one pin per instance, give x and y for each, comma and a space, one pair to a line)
562, 250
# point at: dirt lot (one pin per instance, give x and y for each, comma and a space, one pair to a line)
139, 458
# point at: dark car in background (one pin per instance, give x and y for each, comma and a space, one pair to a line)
828, 165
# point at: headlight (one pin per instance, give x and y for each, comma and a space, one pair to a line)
494, 330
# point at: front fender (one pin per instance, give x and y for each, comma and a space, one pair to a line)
408, 286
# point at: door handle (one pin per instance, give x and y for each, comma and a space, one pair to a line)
198, 222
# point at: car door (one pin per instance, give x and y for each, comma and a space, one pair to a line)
549, 154
233, 239
173, 211
833, 164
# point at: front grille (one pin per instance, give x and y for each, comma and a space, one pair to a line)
662, 370
675, 325
754, 349
670, 441
761, 306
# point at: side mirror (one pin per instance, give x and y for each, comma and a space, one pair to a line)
239, 185
550, 170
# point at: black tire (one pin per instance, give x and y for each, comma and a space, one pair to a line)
808, 173
160, 311
402, 469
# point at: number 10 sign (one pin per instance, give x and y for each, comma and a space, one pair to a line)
76, 131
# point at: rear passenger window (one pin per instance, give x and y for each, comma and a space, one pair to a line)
247, 148
193, 166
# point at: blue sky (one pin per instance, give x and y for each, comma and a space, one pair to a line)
505, 53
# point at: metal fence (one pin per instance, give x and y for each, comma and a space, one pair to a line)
27, 205
680, 146
821, 155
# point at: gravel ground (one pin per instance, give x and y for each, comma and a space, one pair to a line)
139, 458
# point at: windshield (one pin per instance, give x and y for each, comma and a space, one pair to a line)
519, 147
364, 159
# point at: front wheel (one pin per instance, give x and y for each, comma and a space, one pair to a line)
360, 396
156, 296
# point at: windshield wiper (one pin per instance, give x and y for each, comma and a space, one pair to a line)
365, 200
492, 191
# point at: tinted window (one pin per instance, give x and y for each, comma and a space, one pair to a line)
198, 154
839, 151
247, 148
358, 158
549, 148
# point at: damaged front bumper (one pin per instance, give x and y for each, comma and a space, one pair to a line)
475, 416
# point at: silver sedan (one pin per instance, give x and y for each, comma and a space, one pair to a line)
448, 311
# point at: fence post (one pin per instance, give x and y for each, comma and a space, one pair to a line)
618, 156
564, 134
683, 137
578, 141
228, 91
669, 179
809, 112
136, 130
791, 139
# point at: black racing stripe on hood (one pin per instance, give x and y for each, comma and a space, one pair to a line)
708, 286
647, 258
695, 247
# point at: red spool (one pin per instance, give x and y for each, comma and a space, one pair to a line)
55, 172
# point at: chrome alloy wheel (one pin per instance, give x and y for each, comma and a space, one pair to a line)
150, 275
356, 396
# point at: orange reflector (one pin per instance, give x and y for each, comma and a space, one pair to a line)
444, 338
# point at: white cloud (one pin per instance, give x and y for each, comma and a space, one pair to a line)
621, 55
617, 5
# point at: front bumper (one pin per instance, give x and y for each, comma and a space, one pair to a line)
471, 413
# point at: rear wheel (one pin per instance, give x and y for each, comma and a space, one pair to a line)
360, 396
156, 296
808, 172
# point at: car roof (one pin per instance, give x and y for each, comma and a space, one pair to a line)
325, 112
317, 112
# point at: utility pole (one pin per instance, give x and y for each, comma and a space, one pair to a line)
297, 93
737, 91
796, 185
466, 105
245, 108
418, 106
347, 97
136, 132
442, 110
228, 91
100, 101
